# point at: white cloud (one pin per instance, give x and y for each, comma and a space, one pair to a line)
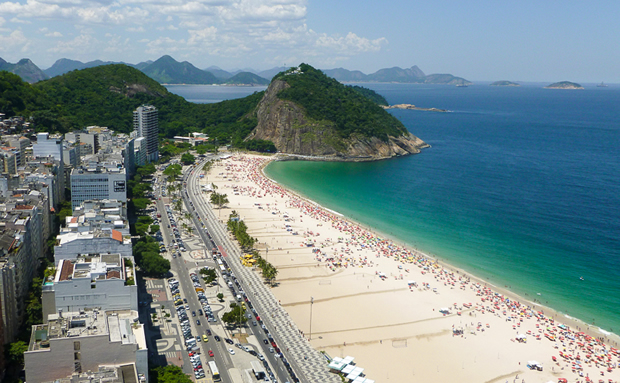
12, 41
19, 21
272, 30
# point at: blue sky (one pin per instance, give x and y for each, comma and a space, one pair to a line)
480, 40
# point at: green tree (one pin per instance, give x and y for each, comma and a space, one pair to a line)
236, 316
154, 229
219, 199
220, 296
188, 159
16, 351
146, 170
201, 149
168, 374
154, 265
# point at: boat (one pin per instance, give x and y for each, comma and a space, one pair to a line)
462, 85
602, 85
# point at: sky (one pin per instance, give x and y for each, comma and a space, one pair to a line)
543, 40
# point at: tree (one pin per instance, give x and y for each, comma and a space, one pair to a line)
178, 205
168, 374
236, 316
188, 159
173, 171
154, 229
154, 265
146, 170
270, 272
220, 296
201, 149
219, 199
209, 275
16, 352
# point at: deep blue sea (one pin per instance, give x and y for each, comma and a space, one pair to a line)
521, 187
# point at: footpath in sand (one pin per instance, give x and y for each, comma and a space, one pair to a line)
403, 316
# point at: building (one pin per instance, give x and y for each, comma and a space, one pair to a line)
98, 182
125, 373
88, 143
145, 124
75, 244
77, 342
105, 281
99, 214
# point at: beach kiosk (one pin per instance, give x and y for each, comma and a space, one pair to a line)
534, 365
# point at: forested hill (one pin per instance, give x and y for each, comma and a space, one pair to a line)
304, 112
349, 108
107, 95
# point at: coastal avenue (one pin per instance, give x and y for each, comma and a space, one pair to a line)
308, 364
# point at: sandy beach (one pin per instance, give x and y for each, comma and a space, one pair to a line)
402, 315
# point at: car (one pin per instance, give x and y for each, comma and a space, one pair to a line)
198, 322
253, 323
208, 332
199, 312
232, 352
217, 338
205, 338
265, 341
193, 313
229, 341
211, 353
271, 350
261, 357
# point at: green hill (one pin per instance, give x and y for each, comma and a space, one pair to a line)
167, 70
324, 98
246, 78
107, 95
24, 68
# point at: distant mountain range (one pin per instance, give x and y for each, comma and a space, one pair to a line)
396, 74
166, 70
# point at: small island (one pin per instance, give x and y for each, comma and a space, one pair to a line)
505, 83
412, 107
564, 85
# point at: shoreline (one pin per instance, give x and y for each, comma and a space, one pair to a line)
592, 329
305, 277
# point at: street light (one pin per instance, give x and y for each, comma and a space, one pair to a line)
311, 303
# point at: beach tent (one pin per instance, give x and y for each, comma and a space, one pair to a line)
355, 373
348, 359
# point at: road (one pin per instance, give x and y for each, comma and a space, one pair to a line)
308, 364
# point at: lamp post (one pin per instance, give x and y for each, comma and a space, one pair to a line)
311, 303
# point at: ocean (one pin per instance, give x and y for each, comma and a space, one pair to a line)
521, 187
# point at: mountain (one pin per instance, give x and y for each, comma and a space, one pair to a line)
395, 74
107, 95
269, 73
304, 112
167, 70
219, 73
247, 78
63, 66
345, 75
25, 69
140, 66
564, 85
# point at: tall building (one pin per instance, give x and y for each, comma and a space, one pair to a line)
145, 124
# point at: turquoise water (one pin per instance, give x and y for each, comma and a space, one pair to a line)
521, 187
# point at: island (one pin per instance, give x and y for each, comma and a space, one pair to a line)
564, 85
505, 83
412, 107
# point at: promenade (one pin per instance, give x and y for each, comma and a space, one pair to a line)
309, 364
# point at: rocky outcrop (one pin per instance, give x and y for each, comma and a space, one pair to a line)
292, 132
564, 85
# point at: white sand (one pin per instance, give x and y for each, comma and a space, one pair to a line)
395, 332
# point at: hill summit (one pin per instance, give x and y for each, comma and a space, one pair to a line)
304, 112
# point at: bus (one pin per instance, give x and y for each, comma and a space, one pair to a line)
214, 371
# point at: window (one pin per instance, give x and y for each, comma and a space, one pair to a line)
77, 356
76, 346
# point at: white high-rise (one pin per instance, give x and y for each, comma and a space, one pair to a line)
145, 124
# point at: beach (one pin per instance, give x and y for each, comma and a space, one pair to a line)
402, 315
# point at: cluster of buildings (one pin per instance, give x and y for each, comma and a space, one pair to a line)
91, 327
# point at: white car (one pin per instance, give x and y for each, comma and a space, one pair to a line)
232, 352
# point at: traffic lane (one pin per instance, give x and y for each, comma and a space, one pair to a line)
279, 370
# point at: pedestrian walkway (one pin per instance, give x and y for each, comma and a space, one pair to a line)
312, 365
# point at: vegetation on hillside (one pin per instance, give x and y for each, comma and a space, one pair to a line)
370, 94
107, 96
326, 99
